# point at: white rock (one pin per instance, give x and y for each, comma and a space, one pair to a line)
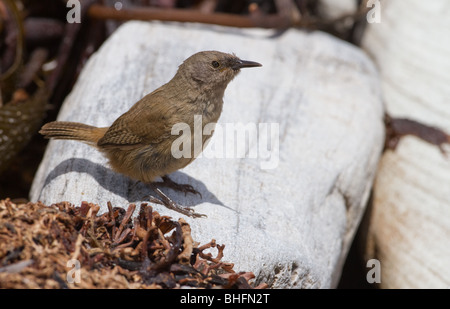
292, 224
409, 227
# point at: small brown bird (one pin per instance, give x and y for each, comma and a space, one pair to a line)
138, 144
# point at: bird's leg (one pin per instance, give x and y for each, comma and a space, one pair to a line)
169, 203
185, 188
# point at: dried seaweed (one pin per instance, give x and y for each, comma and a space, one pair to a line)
396, 128
49, 246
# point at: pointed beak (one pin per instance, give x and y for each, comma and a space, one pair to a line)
245, 64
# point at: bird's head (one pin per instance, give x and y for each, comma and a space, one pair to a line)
213, 68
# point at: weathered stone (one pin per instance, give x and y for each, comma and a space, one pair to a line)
409, 225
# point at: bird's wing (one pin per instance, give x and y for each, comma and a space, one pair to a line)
147, 122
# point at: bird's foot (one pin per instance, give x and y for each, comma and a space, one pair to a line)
185, 188
169, 203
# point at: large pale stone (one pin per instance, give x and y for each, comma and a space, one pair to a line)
409, 226
291, 222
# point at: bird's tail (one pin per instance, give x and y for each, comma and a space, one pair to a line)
73, 130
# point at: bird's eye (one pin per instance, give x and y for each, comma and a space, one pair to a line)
215, 64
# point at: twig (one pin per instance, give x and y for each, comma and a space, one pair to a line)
16, 267
188, 244
188, 15
112, 219
125, 220
78, 243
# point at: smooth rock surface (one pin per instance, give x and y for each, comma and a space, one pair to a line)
288, 213
409, 225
